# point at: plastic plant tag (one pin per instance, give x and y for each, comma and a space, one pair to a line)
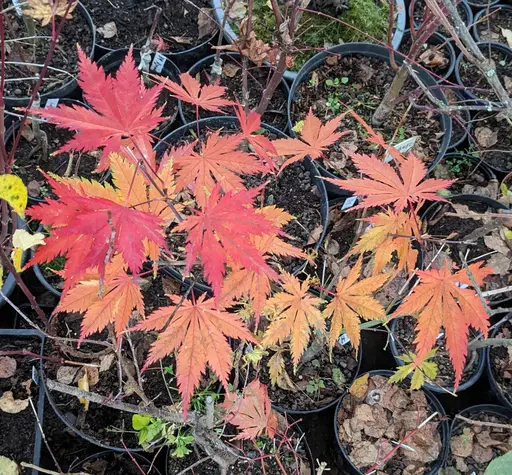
51, 103
17, 7
349, 202
461, 285
35, 375
343, 339
402, 147
158, 62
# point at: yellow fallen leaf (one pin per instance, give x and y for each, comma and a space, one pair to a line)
44, 10
22, 241
83, 383
359, 387
14, 191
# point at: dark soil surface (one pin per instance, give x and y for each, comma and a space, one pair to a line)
55, 280
434, 57
481, 442
460, 228
293, 462
320, 367
18, 430
490, 30
116, 464
27, 162
177, 25
76, 31
474, 80
405, 334
465, 171
419, 8
501, 362
231, 78
367, 80
499, 154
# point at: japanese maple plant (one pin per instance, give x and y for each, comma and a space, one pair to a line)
114, 237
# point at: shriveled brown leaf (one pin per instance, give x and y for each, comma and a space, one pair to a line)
486, 137
106, 362
44, 10
67, 374
108, 30
315, 235
433, 58
206, 22
10, 405
8, 366
230, 69
462, 445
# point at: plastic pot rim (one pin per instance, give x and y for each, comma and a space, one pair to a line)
98, 455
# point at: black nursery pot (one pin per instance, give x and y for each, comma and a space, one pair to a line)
69, 89
54, 101
483, 13
500, 394
113, 60
465, 119
479, 4
465, 5
484, 47
205, 63
19, 336
146, 465
344, 458
216, 123
434, 40
432, 387
375, 51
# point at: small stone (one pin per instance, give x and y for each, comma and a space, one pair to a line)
18, 92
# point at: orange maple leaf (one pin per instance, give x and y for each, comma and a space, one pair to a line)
385, 186
198, 333
111, 300
219, 161
315, 139
440, 301
208, 97
294, 311
251, 412
384, 239
353, 301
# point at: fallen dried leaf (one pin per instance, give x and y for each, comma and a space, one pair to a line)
315, 235
108, 30
205, 22
359, 387
433, 58
106, 362
8, 466
230, 69
10, 405
67, 374
486, 137
508, 36
462, 445
7, 366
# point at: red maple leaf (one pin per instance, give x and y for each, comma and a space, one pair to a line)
208, 97
222, 231
219, 161
384, 185
197, 332
251, 123
440, 301
89, 230
251, 412
315, 139
123, 109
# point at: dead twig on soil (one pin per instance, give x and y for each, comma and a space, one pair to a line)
483, 423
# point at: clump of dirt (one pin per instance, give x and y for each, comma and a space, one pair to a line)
405, 334
375, 415
360, 82
474, 446
178, 25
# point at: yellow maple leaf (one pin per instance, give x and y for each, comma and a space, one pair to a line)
14, 191
419, 369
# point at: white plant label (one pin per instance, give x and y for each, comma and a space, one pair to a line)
51, 103
349, 202
461, 285
17, 7
158, 62
343, 339
35, 375
402, 147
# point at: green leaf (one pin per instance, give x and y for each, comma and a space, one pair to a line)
139, 421
143, 435
344, 80
181, 451
338, 377
500, 465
